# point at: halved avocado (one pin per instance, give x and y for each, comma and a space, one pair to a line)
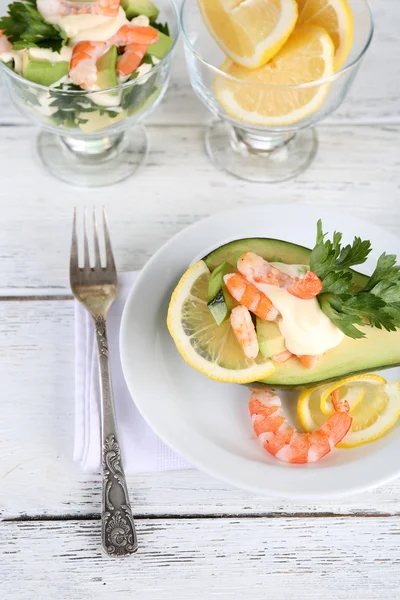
271, 250
379, 350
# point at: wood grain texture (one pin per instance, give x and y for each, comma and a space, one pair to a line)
206, 558
356, 170
373, 98
37, 476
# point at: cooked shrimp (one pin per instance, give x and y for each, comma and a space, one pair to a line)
244, 330
135, 40
258, 270
82, 68
249, 296
283, 441
309, 361
5, 44
51, 10
130, 60
282, 356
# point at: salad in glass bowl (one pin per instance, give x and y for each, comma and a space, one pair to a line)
86, 72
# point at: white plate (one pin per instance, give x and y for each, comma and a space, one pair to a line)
208, 422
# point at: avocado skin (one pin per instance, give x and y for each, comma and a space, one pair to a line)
134, 8
106, 69
379, 350
161, 47
44, 72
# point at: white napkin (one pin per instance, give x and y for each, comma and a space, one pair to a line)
141, 449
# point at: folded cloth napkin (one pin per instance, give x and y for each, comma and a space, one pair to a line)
141, 449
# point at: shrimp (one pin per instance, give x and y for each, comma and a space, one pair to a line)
244, 330
5, 44
135, 40
82, 68
249, 296
51, 10
283, 441
258, 270
309, 361
282, 356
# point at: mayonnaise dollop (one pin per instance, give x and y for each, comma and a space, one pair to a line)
306, 329
91, 28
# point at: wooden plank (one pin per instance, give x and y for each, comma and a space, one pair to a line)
37, 476
373, 98
356, 170
206, 558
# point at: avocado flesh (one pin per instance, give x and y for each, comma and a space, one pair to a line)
379, 350
220, 302
134, 8
161, 47
107, 69
270, 339
44, 72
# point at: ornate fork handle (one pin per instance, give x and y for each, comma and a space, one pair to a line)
118, 529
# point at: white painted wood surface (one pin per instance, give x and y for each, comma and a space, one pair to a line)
198, 538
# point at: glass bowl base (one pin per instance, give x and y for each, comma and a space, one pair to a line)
93, 163
260, 159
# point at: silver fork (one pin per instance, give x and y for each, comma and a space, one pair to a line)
96, 288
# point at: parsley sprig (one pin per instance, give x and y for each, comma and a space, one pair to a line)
72, 109
26, 28
376, 304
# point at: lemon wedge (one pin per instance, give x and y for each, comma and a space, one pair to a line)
250, 32
373, 414
336, 17
306, 57
210, 348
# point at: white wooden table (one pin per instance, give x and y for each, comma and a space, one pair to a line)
198, 539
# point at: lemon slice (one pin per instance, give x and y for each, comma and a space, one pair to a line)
306, 57
351, 389
210, 348
373, 416
336, 17
250, 32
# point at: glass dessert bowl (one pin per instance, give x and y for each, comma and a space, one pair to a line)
265, 114
93, 137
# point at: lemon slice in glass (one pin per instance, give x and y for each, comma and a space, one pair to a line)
249, 32
269, 96
209, 348
336, 17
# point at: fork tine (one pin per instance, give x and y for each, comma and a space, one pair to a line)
86, 262
73, 265
110, 264
97, 262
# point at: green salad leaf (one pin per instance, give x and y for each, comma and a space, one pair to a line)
25, 27
71, 109
377, 304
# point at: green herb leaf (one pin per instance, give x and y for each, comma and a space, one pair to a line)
376, 305
72, 109
163, 27
25, 27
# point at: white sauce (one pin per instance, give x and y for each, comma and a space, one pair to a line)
306, 329
92, 28
106, 98
46, 54
15, 56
